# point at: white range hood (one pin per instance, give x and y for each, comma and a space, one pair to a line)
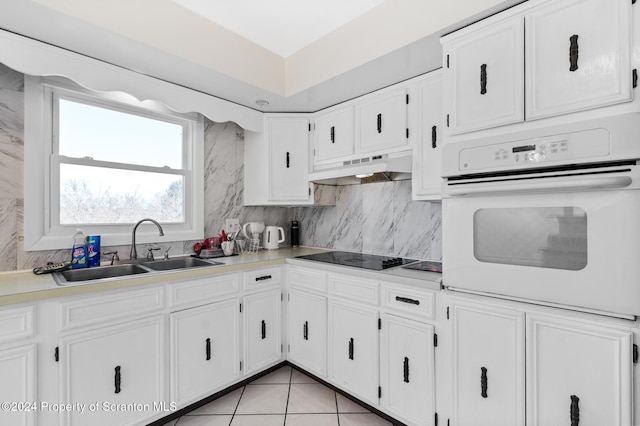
378, 168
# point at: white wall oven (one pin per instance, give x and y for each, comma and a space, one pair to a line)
556, 232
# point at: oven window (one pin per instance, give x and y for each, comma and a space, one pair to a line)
543, 237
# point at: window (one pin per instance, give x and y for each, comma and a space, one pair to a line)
102, 162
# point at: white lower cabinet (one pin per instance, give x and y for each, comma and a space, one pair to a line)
407, 375
308, 331
119, 369
204, 350
353, 349
18, 372
578, 367
262, 327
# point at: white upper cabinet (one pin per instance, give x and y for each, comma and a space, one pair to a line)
382, 122
427, 151
577, 56
484, 76
334, 134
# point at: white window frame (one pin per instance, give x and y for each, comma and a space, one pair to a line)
42, 230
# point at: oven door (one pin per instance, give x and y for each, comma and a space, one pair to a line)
572, 239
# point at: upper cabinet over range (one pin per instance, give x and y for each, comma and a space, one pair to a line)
539, 59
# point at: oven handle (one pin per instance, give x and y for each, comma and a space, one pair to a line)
562, 184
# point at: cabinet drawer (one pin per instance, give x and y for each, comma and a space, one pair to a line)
16, 323
308, 279
261, 278
408, 299
83, 311
198, 291
359, 289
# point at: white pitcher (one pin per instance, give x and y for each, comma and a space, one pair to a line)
271, 237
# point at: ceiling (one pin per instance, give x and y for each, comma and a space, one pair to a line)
208, 46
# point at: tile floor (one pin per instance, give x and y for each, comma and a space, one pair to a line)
283, 397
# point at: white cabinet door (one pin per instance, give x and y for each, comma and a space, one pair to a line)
579, 371
113, 366
288, 158
484, 75
353, 349
488, 364
334, 135
308, 331
204, 350
427, 154
262, 330
382, 123
577, 56
407, 375
18, 372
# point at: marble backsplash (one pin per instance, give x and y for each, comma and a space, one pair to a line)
375, 218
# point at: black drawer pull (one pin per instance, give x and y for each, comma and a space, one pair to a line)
483, 382
333, 134
264, 330
574, 411
405, 369
264, 277
117, 379
483, 79
379, 123
573, 53
434, 137
208, 349
407, 300
351, 348
305, 330
288, 162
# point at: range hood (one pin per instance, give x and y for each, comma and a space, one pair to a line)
378, 168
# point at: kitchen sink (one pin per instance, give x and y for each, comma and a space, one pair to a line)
90, 274
179, 263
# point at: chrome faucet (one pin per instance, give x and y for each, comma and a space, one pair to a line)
134, 253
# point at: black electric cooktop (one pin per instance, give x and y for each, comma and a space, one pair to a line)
357, 260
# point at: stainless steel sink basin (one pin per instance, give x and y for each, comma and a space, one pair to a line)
90, 274
179, 263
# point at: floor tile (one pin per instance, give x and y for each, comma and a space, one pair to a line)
299, 377
171, 423
345, 405
252, 420
226, 404
204, 421
281, 375
361, 420
311, 420
311, 398
264, 399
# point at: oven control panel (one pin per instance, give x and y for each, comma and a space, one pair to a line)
536, 151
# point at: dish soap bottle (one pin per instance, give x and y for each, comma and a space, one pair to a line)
79, 250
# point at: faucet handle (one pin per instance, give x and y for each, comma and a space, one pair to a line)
115, 258
166, 253
150, 252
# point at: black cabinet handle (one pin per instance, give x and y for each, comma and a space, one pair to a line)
405, 369
288, 162
574, 411
117, 379
407, 300
483, 382
305, 330
379, 123
264, 277
483, 79
264, 329
351, 348
208, 349
333, 134
573, 52
434, 137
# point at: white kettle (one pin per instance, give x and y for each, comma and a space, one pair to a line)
252, 230
271, 237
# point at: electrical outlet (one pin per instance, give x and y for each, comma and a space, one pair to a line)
231, 225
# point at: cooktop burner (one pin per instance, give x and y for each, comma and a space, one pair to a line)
357, 260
